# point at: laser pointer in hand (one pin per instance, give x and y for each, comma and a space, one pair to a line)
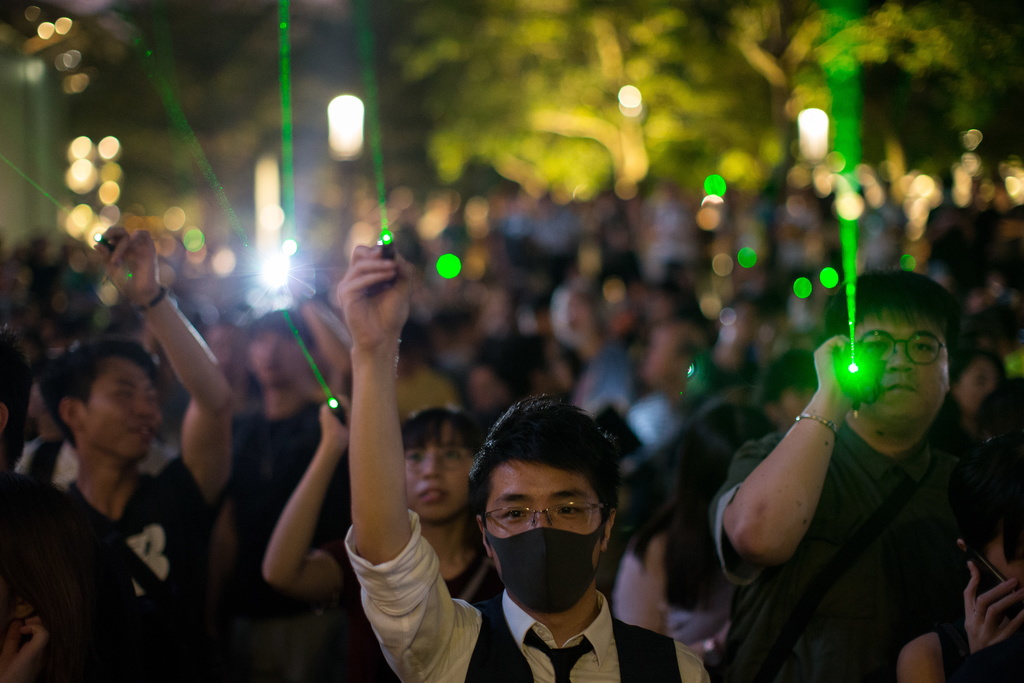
387, 245
859, 375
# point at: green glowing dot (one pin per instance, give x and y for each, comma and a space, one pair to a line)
746, 257
449, 266
194, 240
714, 184
332, 402
852, 367
129, 274
802, 287
691, 371
386, 237
829, 277
908, 262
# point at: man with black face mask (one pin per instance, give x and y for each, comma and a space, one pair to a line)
544, 487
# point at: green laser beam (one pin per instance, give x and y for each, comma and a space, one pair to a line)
309, 359
287, 129
364, 38
33, 183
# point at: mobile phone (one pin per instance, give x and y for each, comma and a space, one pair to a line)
863, 385
990, 578
387, 251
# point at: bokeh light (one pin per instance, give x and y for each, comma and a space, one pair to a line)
448, 266
829, 277
802, 287
908, 262
193, 239
714, 184
746, 257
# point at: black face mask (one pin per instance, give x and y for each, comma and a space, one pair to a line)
546, 569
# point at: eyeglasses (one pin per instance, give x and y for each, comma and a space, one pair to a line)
446, 459
922, 348
577, 517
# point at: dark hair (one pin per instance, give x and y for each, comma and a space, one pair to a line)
794, 368
901, 294
1002, 411
47, 557
705, 451
546, 431
15, 386
986, 493
427, 426
960, 359
73, 374
275, 322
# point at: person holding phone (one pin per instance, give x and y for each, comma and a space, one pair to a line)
986, 493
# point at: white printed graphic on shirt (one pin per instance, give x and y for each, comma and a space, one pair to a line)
149, 546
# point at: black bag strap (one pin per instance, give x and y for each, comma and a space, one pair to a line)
44, 461
830, 573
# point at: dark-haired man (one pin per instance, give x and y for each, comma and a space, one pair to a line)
792, 502
102, 395
544, 487
15, 386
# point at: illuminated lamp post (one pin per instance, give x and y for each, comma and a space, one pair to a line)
813, 127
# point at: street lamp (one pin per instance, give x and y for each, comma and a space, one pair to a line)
345, 118
813, 127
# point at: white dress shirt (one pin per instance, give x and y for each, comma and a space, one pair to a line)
428, 636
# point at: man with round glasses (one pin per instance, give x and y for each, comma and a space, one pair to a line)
792, 502
543, 486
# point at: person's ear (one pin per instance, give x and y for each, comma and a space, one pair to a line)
71, 411
609, 523
5, 416
483, 536
23, 609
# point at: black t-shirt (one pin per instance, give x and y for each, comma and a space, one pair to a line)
269, 458
167, 525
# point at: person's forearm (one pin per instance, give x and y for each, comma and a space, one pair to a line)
293, 533
379, 509
192, 361
774, 505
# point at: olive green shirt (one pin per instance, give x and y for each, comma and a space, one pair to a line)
904, 582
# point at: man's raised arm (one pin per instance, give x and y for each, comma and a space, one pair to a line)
206, 430
774, 505
380, 522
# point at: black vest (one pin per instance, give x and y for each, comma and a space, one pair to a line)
644, 656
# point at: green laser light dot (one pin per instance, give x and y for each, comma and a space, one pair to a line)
386, 237
332, 403
829, 277
746, 257
802, 287
908, 262
691, 371
449, 266
852, 367
714, 184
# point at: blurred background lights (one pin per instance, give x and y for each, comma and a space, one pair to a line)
81, 176
174, 218
849, 206
908, 262
722, 264
802, 287
46, 30
275, 270
714, 184
193, 239
289, 247
109, 192
66, 61
829, 277
449, 266
345, 119
812, 125
971, 139
32, 12
80, 148
223, 262
630, 100
62, 25
109, 148
746, 257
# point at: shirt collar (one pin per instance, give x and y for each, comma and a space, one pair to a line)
599, 632
876, 464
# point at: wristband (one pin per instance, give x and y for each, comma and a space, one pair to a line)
156, 299
818, 418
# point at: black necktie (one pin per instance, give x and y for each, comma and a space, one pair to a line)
563, 659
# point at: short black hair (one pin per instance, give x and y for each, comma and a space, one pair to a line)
15, 387
73, 373
901, 294
427, 426
986, 493
546, 431
277, 322
793, 369
1002, 411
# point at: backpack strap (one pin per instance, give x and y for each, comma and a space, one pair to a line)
644, 655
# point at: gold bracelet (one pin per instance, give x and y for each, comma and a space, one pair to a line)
818, 418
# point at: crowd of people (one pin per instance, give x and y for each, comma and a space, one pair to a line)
598, 440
